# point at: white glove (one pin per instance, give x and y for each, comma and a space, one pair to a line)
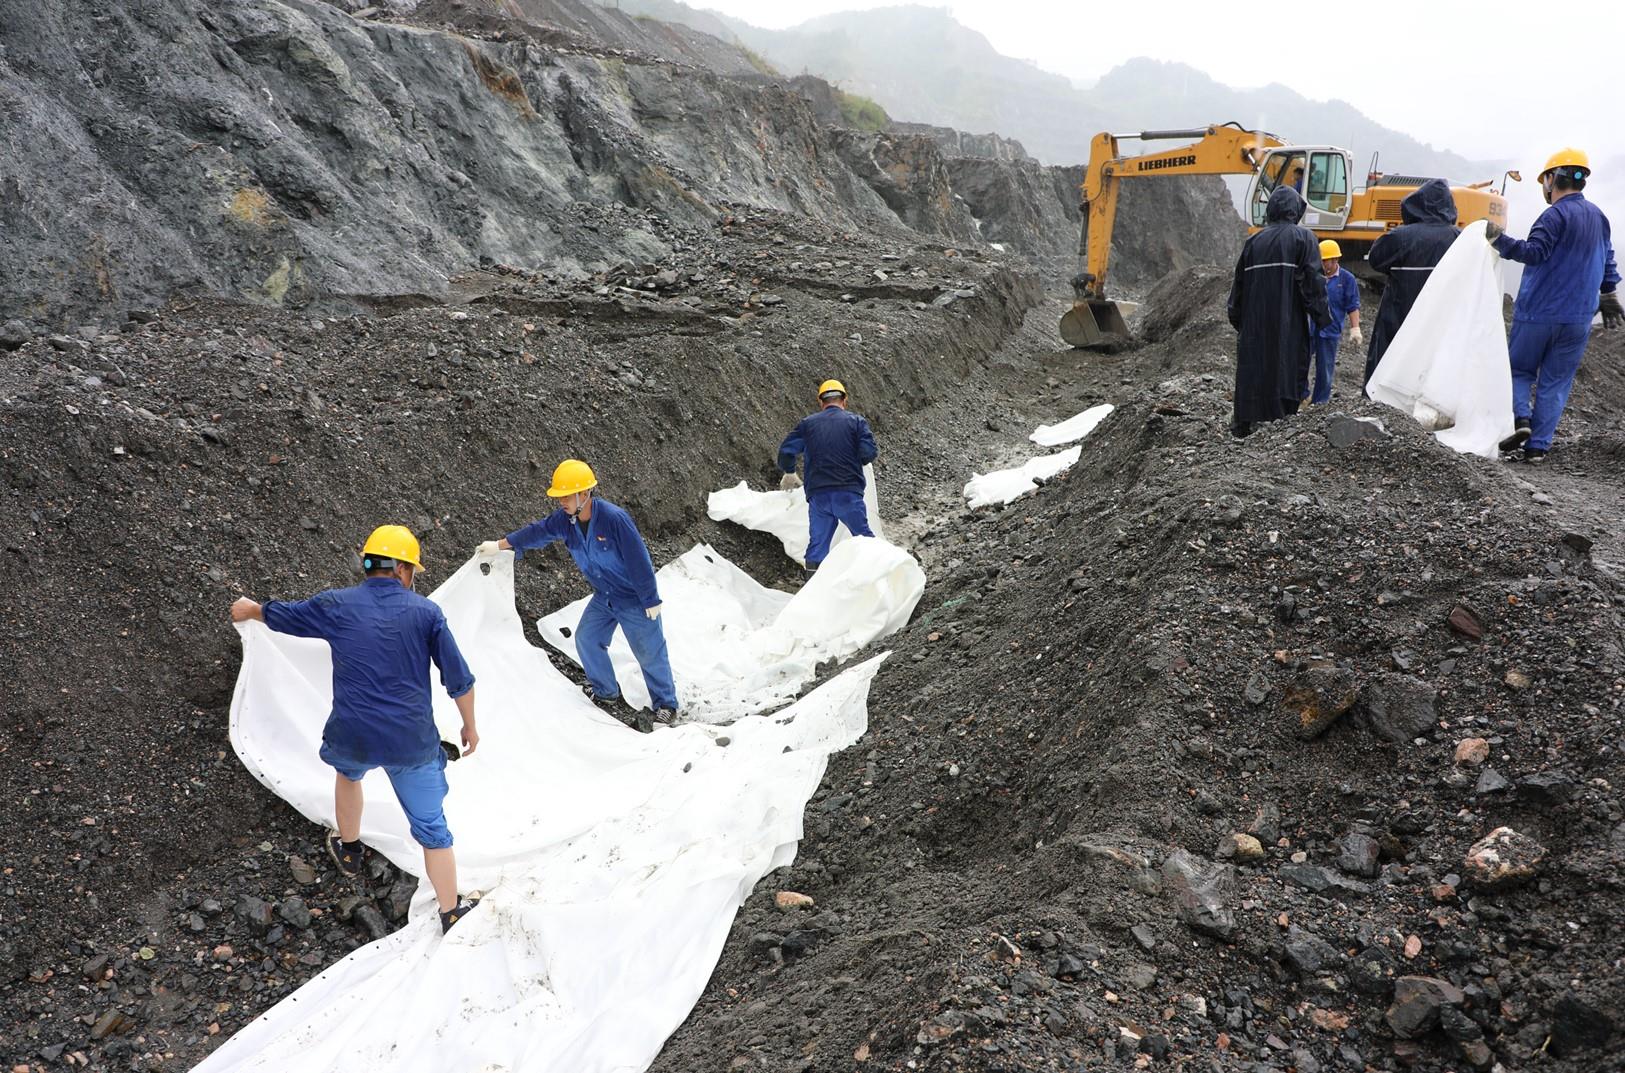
1355, 336
789, 482
653, 612
490, 547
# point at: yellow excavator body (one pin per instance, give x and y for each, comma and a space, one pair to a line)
1322, 173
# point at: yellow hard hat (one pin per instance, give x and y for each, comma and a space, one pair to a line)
1567, 157
572, 476
1329, 250
394, 542
831, 385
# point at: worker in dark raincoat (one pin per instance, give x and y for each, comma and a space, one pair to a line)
1407, 256
1276, 293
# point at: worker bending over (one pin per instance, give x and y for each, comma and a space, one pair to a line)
1343, 302
838, 444
383, 636
1569, 277
605, 543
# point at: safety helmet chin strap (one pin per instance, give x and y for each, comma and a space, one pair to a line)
581, 503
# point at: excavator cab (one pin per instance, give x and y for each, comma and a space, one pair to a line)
1319, 172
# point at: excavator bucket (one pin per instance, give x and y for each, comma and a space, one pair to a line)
1095, 323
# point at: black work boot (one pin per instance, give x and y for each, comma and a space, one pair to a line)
1519, 437
604, 704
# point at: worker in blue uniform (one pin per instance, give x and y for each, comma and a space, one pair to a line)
837, 444
1569, 276
1343, 302
605, 543
383, 636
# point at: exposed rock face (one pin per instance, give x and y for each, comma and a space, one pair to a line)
291, 153
958, 143
910, 175
285, 152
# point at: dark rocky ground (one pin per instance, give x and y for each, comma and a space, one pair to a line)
212, 449
1105, 683
1103, 677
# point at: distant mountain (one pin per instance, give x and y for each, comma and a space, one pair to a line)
675, 12
922, 65
1146, 93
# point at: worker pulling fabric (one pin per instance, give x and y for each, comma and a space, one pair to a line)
605, 543
837, 445
1569, 276
383, 636
1407, 255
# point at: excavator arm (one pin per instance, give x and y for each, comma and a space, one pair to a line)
1225, 149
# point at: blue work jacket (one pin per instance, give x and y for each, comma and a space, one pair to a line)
609, 550
1568, 259
383, 636
837, 443
1342, 298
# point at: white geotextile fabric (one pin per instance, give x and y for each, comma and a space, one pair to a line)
613, 861
1073, 428
1448, 365
784, 514
738, 647
1006, 485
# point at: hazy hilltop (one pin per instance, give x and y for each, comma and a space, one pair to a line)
924, 66
1145, 92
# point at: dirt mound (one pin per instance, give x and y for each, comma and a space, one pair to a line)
1192, 300
1036, 863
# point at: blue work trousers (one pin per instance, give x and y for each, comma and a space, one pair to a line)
824, 510
645, 636
1545, 358
1323, 352
420, 788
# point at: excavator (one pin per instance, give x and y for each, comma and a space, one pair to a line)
1354, 218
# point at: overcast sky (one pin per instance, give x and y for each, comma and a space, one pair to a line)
1488, 79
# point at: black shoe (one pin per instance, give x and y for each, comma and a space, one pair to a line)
642, 721
668, 716
809, 570
349, 856
457, 912
1241, 429
1534, 455
1520, 435
606, 704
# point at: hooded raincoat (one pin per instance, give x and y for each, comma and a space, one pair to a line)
1407, 256
1277, 291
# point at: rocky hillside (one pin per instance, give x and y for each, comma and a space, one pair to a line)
291, 153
